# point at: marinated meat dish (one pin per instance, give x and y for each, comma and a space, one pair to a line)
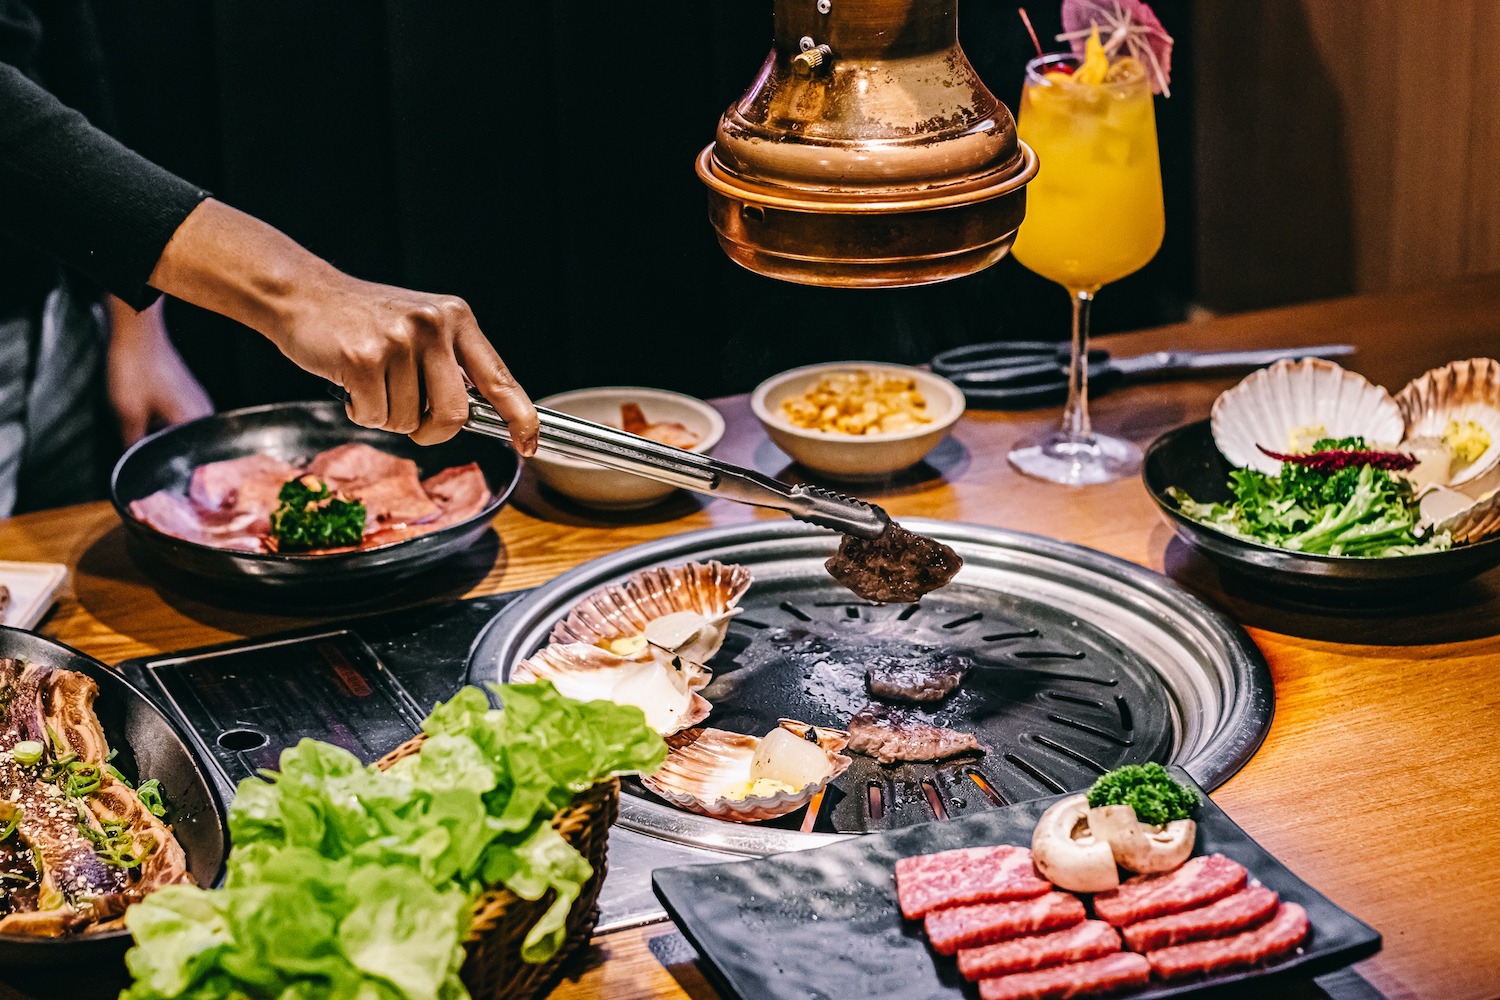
633, 421
899, 566
890, 734
966, 875
80, 843
4, 600
928, 676
229, 503
1019, 938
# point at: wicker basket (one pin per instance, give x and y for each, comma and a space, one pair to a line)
493, 969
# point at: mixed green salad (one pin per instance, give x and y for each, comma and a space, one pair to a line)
346, 882
1341, 498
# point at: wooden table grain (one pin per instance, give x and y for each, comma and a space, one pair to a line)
1377, 782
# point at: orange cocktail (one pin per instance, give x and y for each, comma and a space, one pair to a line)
1094, 210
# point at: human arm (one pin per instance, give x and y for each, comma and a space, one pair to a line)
149, 384
402, 355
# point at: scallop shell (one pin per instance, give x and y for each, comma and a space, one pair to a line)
1461, 516
701, 762
1270, 405
1459, 390
619, 611
588, 673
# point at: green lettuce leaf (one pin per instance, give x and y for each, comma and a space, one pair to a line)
346, 881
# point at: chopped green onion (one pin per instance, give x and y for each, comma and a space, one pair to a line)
11, 814
150, 793
81, 778
27, 752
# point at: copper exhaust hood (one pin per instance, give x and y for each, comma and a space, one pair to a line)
867, 153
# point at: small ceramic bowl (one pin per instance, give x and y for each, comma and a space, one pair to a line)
607, 489
868, 456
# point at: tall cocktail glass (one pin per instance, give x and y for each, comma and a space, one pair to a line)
1093, 215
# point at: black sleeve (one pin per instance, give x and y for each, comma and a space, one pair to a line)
73, 191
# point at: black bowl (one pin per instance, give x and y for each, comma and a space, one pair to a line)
1188, 459
296, 431
148, 746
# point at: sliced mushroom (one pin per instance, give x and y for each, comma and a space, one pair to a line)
1068, 852
1140, 847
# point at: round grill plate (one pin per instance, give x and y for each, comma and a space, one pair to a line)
1082, 662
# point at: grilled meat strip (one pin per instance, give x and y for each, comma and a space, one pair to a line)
71, 874
68, 701
67, 886
891, 734
899, 566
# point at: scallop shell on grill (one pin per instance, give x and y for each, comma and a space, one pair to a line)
703, 764
1276, 406
663, 686
1462, 392
685, 609
1460, 515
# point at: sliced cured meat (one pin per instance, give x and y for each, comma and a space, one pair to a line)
929, 675
248, 484
1120, 971
229, 503
1276, 937
461, 492
967, 875
173, 515
1240, 911
983, 923
891, 734
1198, 881
900, 565
633, 421
389, 486
1079, 943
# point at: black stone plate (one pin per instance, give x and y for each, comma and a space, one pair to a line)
823, 924
1188, 459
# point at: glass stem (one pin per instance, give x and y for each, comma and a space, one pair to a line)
1075, 421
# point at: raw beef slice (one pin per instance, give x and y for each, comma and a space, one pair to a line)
996, 874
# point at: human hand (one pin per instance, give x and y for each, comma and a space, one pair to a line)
148, 383
403, 356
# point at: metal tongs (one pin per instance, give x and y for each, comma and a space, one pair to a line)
573, 437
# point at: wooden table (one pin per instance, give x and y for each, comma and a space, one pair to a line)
1377, 782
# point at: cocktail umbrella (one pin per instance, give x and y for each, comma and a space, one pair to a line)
1123, 24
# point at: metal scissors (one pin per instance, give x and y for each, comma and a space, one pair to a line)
1016, 375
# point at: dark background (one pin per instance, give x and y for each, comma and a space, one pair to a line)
537, 159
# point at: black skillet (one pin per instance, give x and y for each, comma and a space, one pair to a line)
1188, 459
294, 432
148, 747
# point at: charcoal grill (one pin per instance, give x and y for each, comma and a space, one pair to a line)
1082, 662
